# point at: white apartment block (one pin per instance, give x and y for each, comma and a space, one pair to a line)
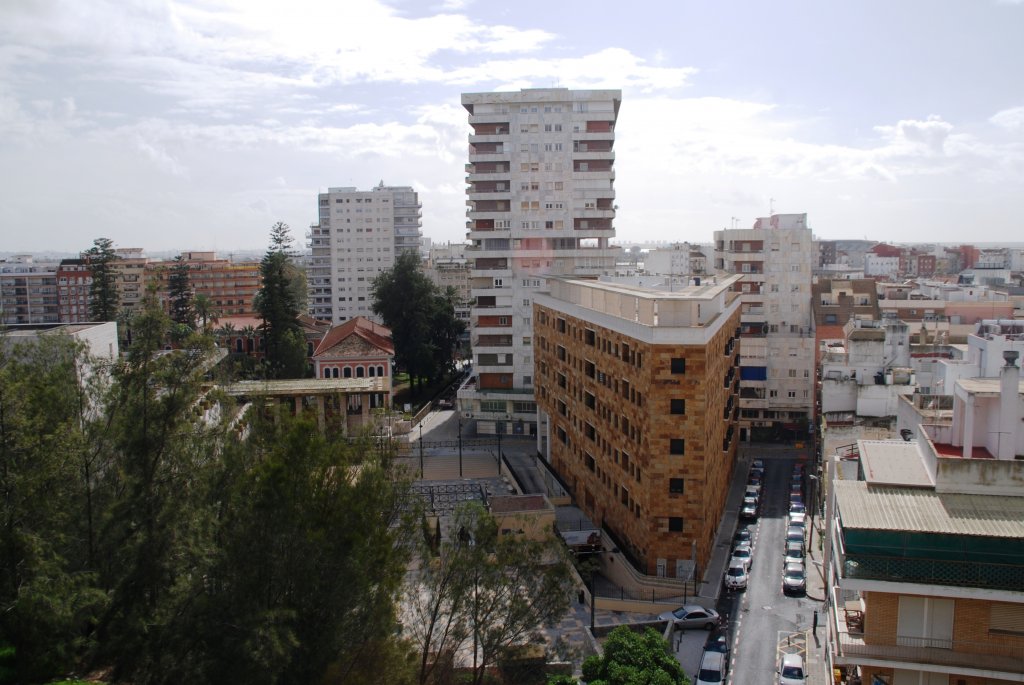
678, 261
777, 348
359, 235
541, 200
876, 265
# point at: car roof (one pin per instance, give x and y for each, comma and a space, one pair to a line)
792, 660
791, 565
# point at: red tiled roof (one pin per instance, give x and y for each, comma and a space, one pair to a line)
377, 335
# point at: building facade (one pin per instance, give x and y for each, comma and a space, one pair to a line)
230, 287
925, 547
541, 198
637, 406
775, 258
359, 235
28, 291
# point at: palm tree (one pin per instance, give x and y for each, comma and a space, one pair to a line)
226, 333
204, 310
250, 334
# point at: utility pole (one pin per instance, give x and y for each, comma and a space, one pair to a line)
421, 450
460, 447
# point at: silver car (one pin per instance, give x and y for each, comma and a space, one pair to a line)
794, 579
691, 616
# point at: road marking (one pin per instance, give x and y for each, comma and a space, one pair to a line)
791, 643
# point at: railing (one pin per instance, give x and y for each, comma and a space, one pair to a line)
935, 571
990, 655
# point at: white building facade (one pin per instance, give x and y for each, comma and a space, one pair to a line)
359, 235
776, 258
541, 200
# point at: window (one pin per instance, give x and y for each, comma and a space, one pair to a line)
677, 406
678, 365
675, 486
675, 524
792, 394
676, 446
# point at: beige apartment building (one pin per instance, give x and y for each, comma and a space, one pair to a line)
637, 407
776, 258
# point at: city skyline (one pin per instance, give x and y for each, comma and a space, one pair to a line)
197, 125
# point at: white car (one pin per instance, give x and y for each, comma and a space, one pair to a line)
736, 577
797, 518
791, 670
742, 555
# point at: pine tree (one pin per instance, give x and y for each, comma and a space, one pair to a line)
179, 294
285, 349
103, 296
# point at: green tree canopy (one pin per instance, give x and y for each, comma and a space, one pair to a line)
179, 294
104, 299
278, 306
631, 658
144, 533
421, 318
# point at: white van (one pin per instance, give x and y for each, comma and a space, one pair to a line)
714, 666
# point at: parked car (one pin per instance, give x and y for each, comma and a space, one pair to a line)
714, 666
795, 534
798, 518
748, 512
719, 640
735, 577
752, 492
791, 670
742, 554
794, 578
743, 534
797, 508
757, 465
691, 616
794, 552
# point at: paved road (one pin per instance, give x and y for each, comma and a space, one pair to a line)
766, 622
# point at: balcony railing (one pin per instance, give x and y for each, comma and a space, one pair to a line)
935, 572
991, 655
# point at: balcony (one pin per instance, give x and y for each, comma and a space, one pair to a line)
990, 656
973, 573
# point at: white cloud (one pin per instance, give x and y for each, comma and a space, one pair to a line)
1012, 119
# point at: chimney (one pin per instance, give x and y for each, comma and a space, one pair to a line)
1009, 404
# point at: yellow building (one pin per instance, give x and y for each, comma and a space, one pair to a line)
637, 407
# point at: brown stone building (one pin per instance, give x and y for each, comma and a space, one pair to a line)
637, 405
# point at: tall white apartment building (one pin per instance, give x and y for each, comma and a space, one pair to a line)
359, 235
777, 346
541, 200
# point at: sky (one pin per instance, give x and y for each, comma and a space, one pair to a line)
197, 124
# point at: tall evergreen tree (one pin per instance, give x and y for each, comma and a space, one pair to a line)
47, 591
405, 300
285, 349
179, 294
104, 299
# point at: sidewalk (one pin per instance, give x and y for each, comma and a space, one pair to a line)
711, 582
815, 663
